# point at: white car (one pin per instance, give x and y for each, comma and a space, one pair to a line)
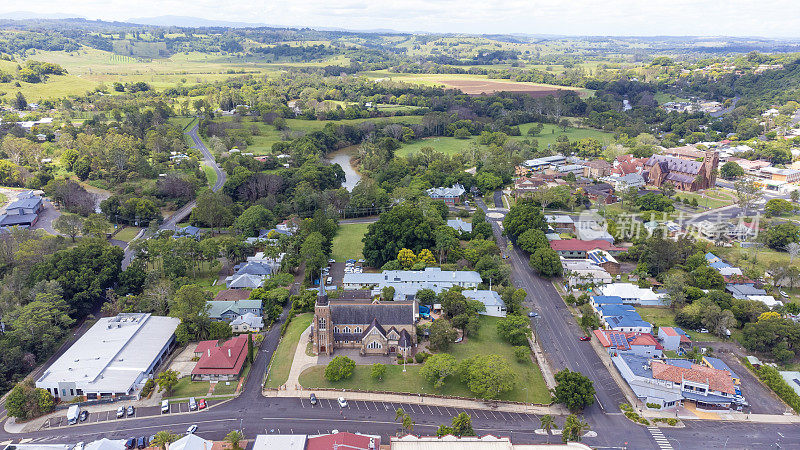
191, 429
342, 402
784, 294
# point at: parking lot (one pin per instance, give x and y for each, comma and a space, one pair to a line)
107, 416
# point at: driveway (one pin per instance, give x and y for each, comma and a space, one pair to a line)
182, 363
46, 217
761, 398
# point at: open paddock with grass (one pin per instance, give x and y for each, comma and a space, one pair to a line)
281, 362
347, 242
528, 386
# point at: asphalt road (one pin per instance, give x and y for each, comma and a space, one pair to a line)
173, 220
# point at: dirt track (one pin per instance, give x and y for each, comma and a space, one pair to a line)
483, 87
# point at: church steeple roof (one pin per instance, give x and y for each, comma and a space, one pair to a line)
322, 294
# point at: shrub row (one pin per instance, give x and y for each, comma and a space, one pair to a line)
770, 376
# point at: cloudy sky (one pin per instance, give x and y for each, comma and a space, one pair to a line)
769, 18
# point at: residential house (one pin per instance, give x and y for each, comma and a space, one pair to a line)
561, 223
220, 361
247, 323
641, 344
187, 231
597, 168
602, 193
632, 294
591, 230
580, 272
673, 338
527, 185
622, 318
604, 259
577, 248
495, 306
624, 182
683, 175
451, 196
374, 328
244, 281
744, 291
627, 164
229, 310
232, 295
290, 225
22, 212
711, 230
459, 225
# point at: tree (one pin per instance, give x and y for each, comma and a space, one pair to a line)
523, 216
39, 325
234, 438
167, 380
795, 196
779, 236
10, 174
190, 302
487, 376
545, 260
69, 224
378, 371
668, 189
442, 334
250, 348
514, 329
437, 368
214, 209
406, 258
426, 257
16, 403
532, 240
405, 419
747, 193
574, 429
404, 226
462, 425
793, 249
164, 438
574, 390
547, 423
19, 102
96, 225
340, 368
731, 171
253, 219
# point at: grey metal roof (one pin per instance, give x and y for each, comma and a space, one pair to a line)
676, 164
446, 192
254, 268
219, 307
391, 313
31, 202
429, 275
485, 296
459, 225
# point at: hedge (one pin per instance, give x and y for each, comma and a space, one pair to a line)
770, 376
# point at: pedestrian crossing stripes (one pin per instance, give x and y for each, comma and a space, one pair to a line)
658, 436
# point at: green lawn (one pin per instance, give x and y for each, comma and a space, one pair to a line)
664, 317
127, 234
188, 388
347, 242
548, 136
712, 200
211, 174
529, 385
283, 356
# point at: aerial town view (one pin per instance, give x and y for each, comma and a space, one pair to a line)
343, 225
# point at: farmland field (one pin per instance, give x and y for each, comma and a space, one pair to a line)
548, 136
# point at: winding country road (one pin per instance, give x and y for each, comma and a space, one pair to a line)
172, 221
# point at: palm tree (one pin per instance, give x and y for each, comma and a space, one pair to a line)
408, 424
233, 438
399, 414
547, 424
163, 438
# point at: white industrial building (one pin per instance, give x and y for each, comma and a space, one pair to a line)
113, 358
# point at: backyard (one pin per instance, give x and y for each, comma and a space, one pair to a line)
664, 317
529, 384
282, 358
347, 242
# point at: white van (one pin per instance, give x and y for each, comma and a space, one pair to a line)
192, 404
164, 406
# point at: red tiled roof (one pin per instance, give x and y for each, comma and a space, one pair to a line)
717, 380
631, 338
341, 440
567, 245
669, 331
225, 359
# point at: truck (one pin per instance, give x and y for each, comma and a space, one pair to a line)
73, 413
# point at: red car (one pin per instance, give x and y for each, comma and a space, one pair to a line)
201, 404
585, 338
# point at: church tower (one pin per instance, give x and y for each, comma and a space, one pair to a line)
710, 163
323, 327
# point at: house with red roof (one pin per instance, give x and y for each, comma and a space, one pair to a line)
220, 361
343, 440
576, 248
641, 344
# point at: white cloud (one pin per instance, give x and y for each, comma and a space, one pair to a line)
771, 18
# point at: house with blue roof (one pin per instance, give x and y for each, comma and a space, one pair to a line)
712, 258
459, 225
622, 318
187, 231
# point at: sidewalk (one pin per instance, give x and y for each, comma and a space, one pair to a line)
300, 362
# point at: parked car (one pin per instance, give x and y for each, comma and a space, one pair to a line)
130, 443
313, 399
784, 294
131, 410
533, 314
703, 330
201, 404
120, 412
585, 338
191, 429
331, 261
140, 443
164, 406
84, 415
192, 404
150, 440
342, 402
